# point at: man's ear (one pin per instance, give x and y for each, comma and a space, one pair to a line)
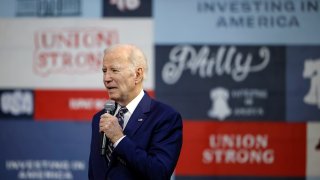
139, 75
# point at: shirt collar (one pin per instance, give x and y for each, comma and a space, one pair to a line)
134, 103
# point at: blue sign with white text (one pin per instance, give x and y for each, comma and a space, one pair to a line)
303, 83
222, 82
44, 150
16, 104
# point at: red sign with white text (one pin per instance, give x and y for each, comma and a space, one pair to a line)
64, 105
243, 149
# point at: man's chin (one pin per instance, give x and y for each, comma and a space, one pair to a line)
113, 96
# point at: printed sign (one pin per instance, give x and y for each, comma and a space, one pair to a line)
16, 104
50, 150
66, 53
71, 51
127, 8
50, 8
237, 22
303, 83
69, 105
243, 149
222, 82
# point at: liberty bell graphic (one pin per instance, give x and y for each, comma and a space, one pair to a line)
312, 71
220, 108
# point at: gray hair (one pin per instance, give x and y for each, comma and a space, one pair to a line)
135, 56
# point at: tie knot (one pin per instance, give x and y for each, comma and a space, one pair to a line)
120, 115
122, 111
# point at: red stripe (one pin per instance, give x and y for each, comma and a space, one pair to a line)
66, 105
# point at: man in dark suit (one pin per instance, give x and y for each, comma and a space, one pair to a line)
149, 143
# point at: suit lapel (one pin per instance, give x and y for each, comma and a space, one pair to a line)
139, 116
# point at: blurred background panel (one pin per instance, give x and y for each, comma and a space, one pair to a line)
243, 73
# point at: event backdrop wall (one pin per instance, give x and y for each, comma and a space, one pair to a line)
245, 75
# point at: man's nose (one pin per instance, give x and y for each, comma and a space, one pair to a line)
107, 77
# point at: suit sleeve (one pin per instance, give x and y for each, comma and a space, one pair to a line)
159, 161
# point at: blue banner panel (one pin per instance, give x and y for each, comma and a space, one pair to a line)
222, 82
303, 83
127, 8
50, 8
44, 150
16, 104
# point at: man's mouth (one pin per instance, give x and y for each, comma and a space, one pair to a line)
111, 88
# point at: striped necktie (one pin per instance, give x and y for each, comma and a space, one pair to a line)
120, 116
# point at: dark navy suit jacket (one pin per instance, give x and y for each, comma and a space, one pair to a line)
150, 149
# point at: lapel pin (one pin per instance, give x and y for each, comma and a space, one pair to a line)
140, 120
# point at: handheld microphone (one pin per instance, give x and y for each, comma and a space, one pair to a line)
109, 107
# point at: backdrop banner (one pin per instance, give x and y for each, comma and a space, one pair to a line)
44, 150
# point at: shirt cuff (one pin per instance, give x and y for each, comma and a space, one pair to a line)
117, 142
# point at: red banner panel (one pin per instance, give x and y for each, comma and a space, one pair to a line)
243, 148
72, 105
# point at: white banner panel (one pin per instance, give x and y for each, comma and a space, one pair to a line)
313, 150
66, 53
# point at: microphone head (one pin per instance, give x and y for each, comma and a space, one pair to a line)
110, 106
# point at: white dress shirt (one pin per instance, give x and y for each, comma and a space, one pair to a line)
131, 107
